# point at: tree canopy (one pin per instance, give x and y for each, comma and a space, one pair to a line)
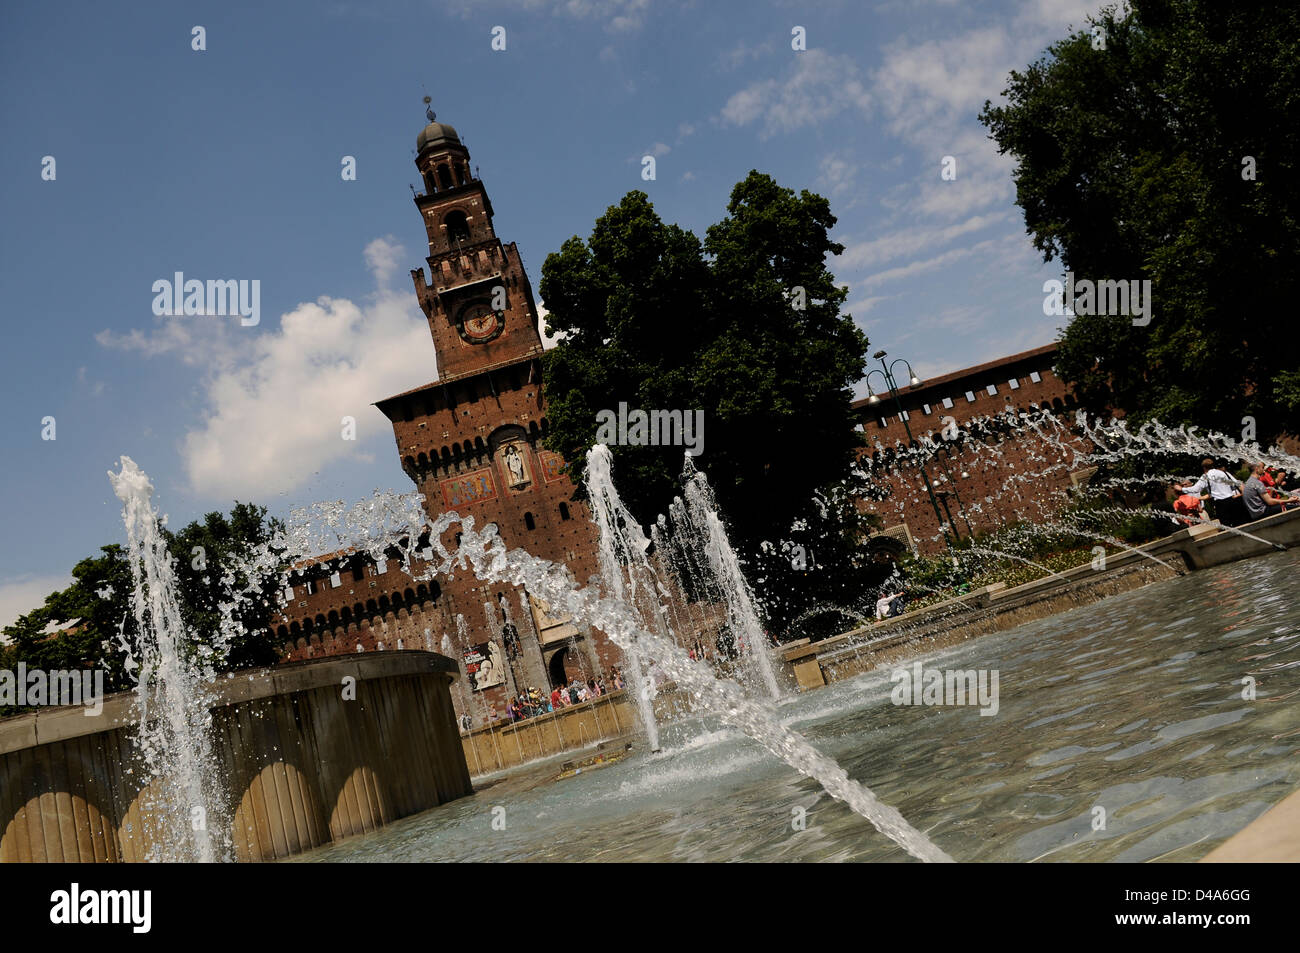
99, 597
745, 326
656, 319
1162, 145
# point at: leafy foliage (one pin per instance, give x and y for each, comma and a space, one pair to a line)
221, 540
1132, 164
745, 325
99, 597
651, 322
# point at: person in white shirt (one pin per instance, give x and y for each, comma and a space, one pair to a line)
1223, 487
885, 605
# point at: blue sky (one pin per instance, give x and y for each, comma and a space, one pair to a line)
225, 163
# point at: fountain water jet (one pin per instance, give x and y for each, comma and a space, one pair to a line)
171, 699
622, 544
702, 513
327, 528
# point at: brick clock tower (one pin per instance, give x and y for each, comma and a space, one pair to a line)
471, 440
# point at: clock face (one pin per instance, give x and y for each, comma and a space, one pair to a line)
479, 323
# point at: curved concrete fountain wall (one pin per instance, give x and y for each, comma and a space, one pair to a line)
302, 764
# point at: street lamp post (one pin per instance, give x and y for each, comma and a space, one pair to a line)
887, 373
961, 507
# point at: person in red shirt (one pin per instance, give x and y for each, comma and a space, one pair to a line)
1189, 507
556, 704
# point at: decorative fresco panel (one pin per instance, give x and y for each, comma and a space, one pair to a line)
468, 489
552, 466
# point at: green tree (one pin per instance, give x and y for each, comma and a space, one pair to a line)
745, 326
203, 550
98, 602
1135, 155
626, 302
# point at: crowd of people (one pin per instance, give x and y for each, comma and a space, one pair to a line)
1220, 495
533, 702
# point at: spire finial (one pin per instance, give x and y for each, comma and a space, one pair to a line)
428, 109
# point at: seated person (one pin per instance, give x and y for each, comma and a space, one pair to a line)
1259, 499
1277, 480
888, 605
1190, 509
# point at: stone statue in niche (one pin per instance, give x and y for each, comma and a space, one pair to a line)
516, 467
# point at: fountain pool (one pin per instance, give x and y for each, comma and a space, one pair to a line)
1133, 705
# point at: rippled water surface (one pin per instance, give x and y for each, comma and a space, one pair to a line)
1132, 706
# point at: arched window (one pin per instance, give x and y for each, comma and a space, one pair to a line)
457, 227
529, 521
564, 511
444, 177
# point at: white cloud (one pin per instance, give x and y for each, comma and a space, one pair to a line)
860, 306
743, 52
619, 16
942, 79
838, 175
921, 267
910, 241
198, 341
818, 86
383, 257
548, 341
1057, 14
932, 92
96, 388
19, 595
275, 399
